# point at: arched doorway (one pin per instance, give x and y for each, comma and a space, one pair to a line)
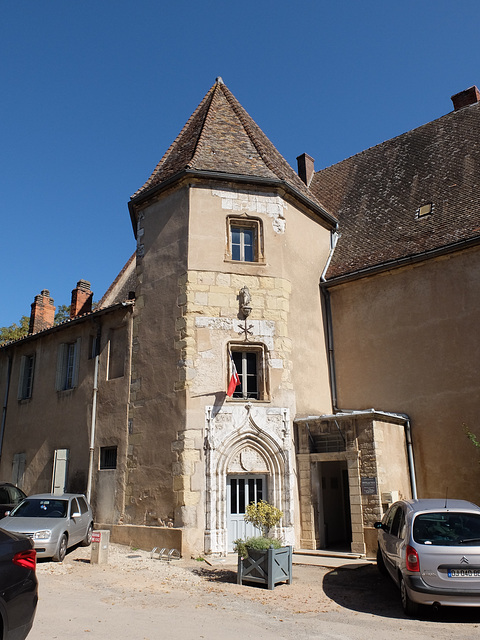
247, 455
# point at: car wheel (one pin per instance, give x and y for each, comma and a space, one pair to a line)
61, 549
409, 607
381, 563
86, 542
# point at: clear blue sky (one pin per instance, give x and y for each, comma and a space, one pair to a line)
94, 91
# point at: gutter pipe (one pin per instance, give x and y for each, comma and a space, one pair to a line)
331, 360
92, 432
411, 464
5, 402
328, 320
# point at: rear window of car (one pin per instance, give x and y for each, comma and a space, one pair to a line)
16, 495
83, 505
447, 528
38, 508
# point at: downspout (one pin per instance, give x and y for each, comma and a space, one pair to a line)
328, 320
94, 420
5, 402
411, 464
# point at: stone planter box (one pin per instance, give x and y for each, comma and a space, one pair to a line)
266, 567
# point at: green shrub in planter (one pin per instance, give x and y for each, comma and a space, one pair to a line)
262, 559
255, 544
263, 515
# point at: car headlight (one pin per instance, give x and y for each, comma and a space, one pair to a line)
42, 535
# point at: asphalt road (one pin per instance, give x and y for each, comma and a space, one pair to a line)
136, 597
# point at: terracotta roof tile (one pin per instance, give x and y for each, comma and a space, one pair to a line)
221, 137
377, 193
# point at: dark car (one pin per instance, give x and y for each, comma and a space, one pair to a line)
18, 585
10, 496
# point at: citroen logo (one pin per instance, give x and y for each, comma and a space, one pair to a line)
464, 560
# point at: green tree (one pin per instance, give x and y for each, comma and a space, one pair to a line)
63, 313
473, 439
14, 331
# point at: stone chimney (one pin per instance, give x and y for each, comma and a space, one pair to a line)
466, 98
81, 299
306, 168
42, 315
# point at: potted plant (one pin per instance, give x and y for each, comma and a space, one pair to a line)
263, 559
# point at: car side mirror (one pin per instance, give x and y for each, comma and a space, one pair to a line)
77, 514
378, 525
7, 513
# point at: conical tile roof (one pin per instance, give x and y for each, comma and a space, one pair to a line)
221, 138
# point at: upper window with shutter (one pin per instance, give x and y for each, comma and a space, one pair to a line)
67, 365
25, 380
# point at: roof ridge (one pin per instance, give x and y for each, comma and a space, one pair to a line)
259, 138
244, 121
396, 137
209, 116
167, 153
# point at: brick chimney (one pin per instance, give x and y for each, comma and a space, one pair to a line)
81, 299
42, 315
306, 168
466, 98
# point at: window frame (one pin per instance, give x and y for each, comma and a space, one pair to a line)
103, 456
246, 348
243, 223
68, 361
25, 379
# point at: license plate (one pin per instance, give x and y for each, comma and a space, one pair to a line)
464, 573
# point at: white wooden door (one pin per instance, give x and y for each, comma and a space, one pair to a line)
60, 470
241, 491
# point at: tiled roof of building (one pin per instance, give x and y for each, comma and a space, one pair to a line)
123, 286
377, 194
221, 137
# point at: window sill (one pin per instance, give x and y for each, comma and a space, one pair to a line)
255, 263
249, 400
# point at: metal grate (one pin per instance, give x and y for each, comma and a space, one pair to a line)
329, 442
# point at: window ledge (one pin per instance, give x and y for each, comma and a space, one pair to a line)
257, 263
249, 400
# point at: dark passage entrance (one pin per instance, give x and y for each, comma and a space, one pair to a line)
335, 525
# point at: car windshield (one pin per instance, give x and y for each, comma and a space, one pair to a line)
447, 528
41, 508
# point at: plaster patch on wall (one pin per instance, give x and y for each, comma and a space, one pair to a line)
260, 329
207, 355
268, 204
276, 363
225, 324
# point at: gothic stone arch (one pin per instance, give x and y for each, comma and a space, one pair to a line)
242, 438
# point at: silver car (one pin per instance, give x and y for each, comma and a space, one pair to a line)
431, 549
53, 522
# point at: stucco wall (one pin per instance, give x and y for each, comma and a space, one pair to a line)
187, 311
157, 413
53, 419
407, 341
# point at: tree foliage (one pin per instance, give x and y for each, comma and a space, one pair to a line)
14, 331
17, 331
471, 436
263, 515
63, 313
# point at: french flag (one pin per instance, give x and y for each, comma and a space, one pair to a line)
234, 378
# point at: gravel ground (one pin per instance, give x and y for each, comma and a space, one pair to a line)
137, 597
